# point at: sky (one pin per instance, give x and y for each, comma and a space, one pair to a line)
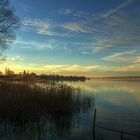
76, 37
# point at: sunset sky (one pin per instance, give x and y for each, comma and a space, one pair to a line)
80, 37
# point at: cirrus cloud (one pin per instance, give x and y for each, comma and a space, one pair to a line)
128, 56
40, 26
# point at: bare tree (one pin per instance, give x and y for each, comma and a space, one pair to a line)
8, 22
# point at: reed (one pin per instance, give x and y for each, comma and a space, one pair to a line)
23, 102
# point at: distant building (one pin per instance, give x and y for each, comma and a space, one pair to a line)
28, 76
1, 73
9, 72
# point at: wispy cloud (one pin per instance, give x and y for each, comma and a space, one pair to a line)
65, 11
99, 48
2, 59
79, 27
116, 29
120, 30
117, 9
25, 7
69, 68
73, 13
75, 27
32, 44
128, 56
43, 27
10, 59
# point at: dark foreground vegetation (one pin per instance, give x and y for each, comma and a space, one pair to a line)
32, 106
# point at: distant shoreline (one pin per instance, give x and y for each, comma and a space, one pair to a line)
127, 78
71, 78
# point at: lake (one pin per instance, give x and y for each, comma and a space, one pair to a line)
117, 104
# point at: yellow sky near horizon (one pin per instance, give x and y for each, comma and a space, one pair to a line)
133, 70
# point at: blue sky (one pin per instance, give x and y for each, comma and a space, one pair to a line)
84, 37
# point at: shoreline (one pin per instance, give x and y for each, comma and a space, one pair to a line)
125, 78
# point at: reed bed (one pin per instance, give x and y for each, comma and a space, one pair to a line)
25, 102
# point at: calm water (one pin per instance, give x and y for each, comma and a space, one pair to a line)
117, 104
118, 107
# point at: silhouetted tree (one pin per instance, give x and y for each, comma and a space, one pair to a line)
8, 22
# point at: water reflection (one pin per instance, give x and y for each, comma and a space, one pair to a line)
117, 103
